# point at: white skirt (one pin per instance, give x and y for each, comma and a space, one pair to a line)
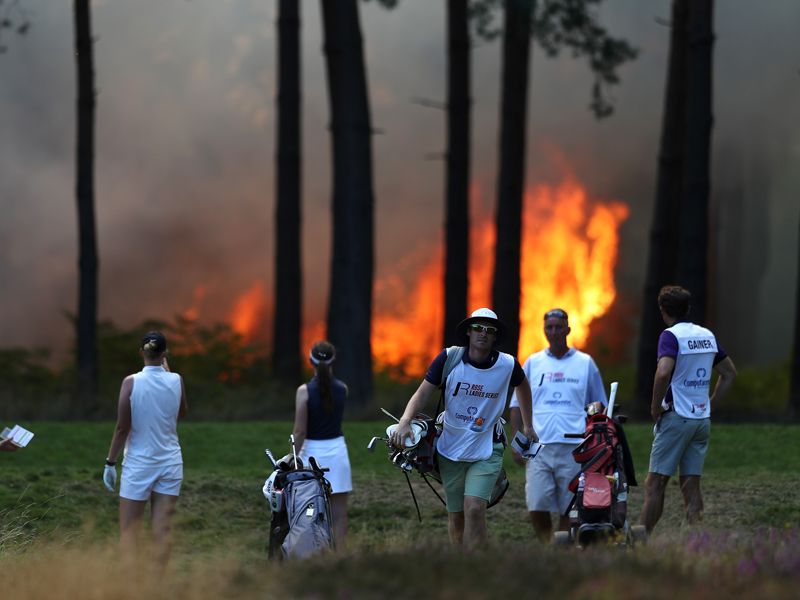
331, 454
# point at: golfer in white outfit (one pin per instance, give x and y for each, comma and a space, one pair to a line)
150, 403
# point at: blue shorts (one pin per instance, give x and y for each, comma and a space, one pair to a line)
461, 478
679, 442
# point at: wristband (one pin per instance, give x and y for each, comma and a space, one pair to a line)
111, 463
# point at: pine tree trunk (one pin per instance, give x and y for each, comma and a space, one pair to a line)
458, 169
663, 248
288, 267
86, 342
693, 247
511, 180
350, 301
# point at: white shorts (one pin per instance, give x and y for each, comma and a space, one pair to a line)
138, 483
331, 454
547, 478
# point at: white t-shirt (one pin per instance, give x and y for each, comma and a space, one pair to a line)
474, 400
155, 401
560, 390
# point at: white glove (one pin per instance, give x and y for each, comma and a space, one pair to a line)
110, 477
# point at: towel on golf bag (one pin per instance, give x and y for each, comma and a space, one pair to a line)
307, 514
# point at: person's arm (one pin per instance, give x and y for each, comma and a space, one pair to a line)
661, 381
523, 391
300, 428
414, 406
8, 446
727, 373
123, 426
184, 407
515, 420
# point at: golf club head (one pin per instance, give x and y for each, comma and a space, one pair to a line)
371, 445
271, 457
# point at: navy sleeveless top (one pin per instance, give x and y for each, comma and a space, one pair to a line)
321, 424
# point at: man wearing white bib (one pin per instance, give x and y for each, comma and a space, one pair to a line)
564, 382
471, 445
681, 405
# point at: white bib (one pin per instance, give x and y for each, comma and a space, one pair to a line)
474, 400
691, 378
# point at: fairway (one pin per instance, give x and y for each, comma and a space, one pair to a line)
51, 494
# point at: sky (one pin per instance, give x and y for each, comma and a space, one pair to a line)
185, 152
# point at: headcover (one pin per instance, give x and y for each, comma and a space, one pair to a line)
273, 495
418, 430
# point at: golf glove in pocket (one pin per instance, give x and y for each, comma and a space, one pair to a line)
110, 477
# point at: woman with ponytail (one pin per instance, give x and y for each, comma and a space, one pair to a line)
150, 404
319, 407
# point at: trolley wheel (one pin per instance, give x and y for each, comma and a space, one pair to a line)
639, 534
561, 538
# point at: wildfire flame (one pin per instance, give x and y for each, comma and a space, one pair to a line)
569, 250
249, 310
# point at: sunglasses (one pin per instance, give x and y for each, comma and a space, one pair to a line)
557, 313
488, 329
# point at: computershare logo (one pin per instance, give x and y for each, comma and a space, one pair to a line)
701, 373
701, 381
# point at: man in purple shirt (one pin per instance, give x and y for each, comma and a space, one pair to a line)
681, 405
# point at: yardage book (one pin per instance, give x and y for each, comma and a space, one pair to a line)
18, 435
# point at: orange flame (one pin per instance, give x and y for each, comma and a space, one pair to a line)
569, 253
248, 312
569, 250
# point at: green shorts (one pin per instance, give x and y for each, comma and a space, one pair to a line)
477, 478
679, 442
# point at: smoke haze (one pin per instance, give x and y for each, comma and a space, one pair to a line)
185, 152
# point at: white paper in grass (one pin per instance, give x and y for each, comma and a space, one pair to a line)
18, 435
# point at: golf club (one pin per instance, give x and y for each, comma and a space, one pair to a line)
271, 458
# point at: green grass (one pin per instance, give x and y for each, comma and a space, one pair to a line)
51, 493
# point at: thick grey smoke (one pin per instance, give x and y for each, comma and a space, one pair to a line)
185, 149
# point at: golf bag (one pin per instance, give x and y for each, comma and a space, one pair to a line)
599, 507
299, 499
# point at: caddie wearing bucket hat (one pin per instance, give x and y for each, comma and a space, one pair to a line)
476, 381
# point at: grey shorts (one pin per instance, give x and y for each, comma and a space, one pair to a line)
547, 478
679, 442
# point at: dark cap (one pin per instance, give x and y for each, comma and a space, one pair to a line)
154, 341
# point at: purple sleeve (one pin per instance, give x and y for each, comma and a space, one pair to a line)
667, 345
721, 355
436, 368
517, 375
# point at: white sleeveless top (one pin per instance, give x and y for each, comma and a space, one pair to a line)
155, 401
474, 400
691, 378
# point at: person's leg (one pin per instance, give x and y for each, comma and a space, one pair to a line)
453, 475
654, 488
455, 527
542, 525
475, 535
339, 519
691, 467
130, 524
692, 498
163, 507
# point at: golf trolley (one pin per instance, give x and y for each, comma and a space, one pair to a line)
419, 454
299, 499
598, 511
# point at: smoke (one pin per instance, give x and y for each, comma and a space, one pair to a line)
185, 152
